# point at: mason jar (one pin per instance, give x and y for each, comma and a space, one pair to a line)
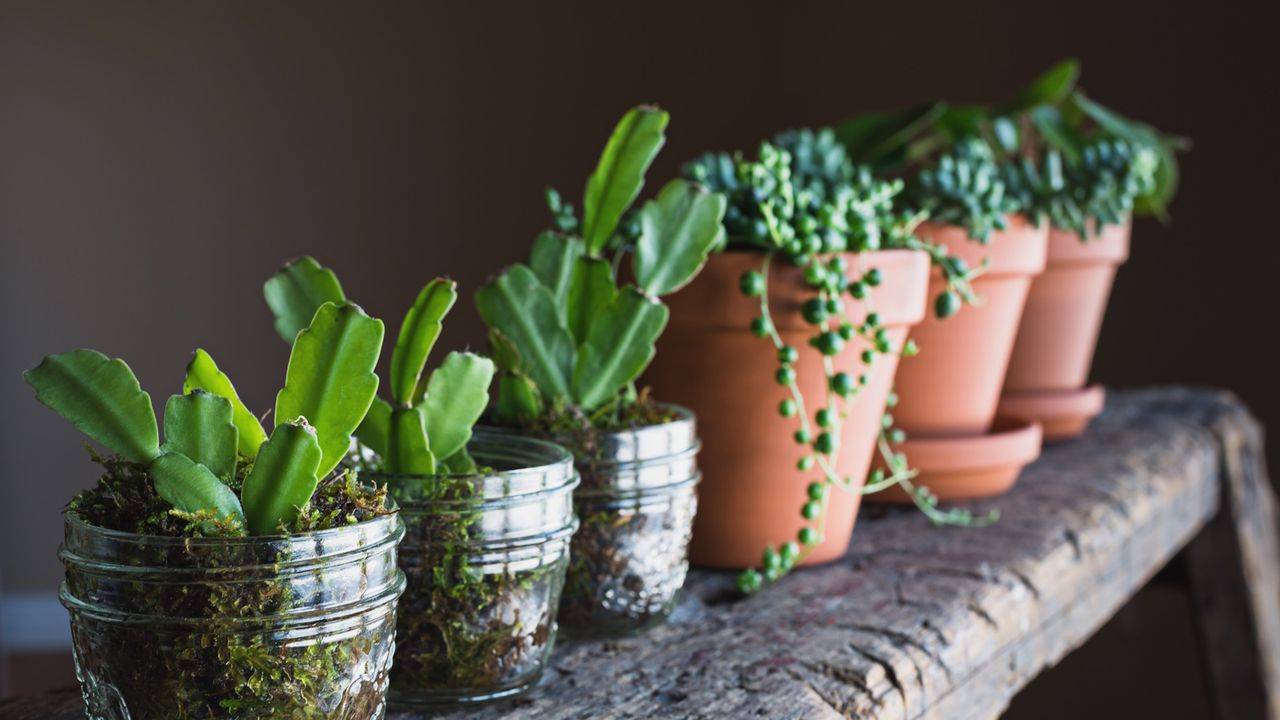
264, 627
636, 506
485, 556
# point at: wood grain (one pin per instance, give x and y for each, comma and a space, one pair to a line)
922, 622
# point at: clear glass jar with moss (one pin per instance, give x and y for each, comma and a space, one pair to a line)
485, 555
267, 626
636, 506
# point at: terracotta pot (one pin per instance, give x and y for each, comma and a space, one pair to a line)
952, 387
1060, 325
708, 361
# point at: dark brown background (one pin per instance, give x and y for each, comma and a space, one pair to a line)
158, 161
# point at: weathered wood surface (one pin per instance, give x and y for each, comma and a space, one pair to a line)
921, 622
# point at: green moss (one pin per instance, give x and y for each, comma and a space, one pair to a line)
203, 649
469, 624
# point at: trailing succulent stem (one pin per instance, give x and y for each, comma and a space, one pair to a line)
210, 437
567, 337
425, 428
803, 199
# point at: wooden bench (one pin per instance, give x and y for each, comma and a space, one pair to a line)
923, 622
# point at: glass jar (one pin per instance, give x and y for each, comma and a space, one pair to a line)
485, 556
264, 627
636, 506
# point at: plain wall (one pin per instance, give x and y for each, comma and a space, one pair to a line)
159, 161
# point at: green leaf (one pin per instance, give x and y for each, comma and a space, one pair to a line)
618, 347
1051, 88
102, 398
330, 380
459, 463
677, 231
959, 121
592, 290
192, 487
418, 333
552, 260
408, 450
876, 137
523, 310
505, 354
457, 394
297, 291
518, 400
1048, 122
199, 425
203, 374
376, 426
283, 478
1165, 147
620, 173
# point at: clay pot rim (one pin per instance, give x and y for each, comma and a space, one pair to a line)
1036, 405
1111, 247
1020, 249
1011, 442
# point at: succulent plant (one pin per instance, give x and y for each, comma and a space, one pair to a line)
217, 464
802, 197
425, 428
568, 337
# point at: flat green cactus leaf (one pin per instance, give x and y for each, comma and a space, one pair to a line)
677, 232
199, 426
297, 291
203, 374
418, 333
408, 450
619, 175
102, 398
457, 394
618, 347
192, 487
375, 427
524, 311
592, 291
282, 479
330, 381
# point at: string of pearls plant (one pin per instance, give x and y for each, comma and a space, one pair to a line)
811, 213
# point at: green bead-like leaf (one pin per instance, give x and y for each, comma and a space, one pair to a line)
282, 479
330, 380
199, 426
418, 333
618, 347
203, 374
620, 173
297, 291
677, 231
523, 310
592, 291
457, 394
102, 398
192, 487
553, 259
408, 450
518, 400
1051, 88
376, 426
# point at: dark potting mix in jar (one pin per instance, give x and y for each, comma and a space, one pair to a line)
485, 555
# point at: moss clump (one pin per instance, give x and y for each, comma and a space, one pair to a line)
474, 622
189, 641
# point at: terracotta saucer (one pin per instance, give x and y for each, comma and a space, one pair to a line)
969, 467
1064, 413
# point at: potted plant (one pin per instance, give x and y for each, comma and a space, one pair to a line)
1086, 171
813, 293
948, 395
488, 516
227, 573
570, 336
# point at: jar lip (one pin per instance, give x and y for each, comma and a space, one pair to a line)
77, 522
626, 444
